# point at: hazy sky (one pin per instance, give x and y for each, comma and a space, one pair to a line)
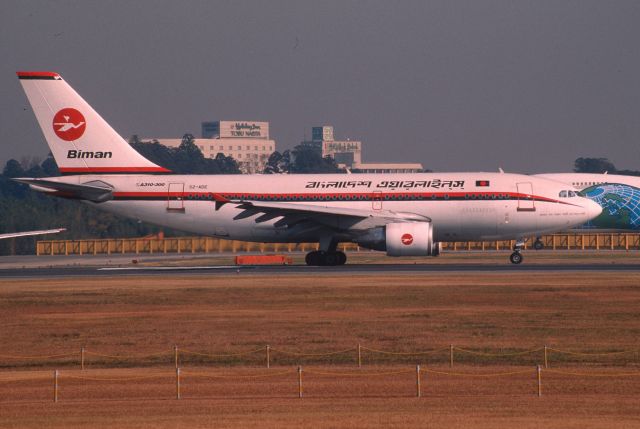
457, 85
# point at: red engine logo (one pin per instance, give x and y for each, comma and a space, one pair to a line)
69, 124
406, 239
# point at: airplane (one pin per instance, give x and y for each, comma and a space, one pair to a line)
28, 233
402, 214
618, 195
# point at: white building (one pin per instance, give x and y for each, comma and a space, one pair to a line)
348, 153
245, 141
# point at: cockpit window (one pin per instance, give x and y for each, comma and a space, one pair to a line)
568, 194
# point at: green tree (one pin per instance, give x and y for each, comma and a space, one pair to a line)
593, 165
186, 158
13, 169
50, 167
308, 159
278, 163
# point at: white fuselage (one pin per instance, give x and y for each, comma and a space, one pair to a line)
461, 206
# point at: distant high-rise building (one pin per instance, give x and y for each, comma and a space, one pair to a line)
324, 133
235, 129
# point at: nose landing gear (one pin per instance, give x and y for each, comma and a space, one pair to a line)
516, 256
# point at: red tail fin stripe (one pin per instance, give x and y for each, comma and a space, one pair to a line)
37, 74
114, 170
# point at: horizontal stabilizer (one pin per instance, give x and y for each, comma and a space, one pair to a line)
28, 233
94, 192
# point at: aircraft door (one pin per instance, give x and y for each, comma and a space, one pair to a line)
175, 197
526, 202
376, 202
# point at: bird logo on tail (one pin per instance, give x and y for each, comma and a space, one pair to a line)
69, 124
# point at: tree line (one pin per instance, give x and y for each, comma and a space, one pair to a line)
188, 159
600, 165
184, 159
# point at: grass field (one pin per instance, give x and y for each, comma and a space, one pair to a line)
501, 312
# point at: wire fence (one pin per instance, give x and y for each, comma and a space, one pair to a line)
359, 355
294, 382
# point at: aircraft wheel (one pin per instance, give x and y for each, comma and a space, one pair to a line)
315, 258
515, 258
538, 245
320, 258
309, 259
331, 259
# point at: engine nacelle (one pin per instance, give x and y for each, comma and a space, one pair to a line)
402, 239
410, 239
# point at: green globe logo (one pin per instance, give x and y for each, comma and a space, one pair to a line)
620, 206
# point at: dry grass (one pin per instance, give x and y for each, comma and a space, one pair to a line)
405, 312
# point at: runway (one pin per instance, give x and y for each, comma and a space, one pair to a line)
349, 269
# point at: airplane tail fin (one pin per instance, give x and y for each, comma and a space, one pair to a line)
80, 140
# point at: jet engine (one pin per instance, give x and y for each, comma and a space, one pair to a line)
402, 239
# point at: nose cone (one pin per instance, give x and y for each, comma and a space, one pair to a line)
593, 209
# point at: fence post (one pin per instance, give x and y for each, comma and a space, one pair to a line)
177, 383
82, 358
546, 357
451, 356
418, 392
539, 381
359, 356
268, 357
175, 355
55, 386
299, 382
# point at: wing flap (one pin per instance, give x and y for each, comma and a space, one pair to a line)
335, 217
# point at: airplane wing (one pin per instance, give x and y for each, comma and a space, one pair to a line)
27, 233
97, 192
335, 217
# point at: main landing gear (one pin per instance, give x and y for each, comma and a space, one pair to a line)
516, 256
328, 254
322, 258
538, 244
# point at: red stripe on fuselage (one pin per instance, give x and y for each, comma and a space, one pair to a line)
347, 197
